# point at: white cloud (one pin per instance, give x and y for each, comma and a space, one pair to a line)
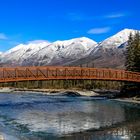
117, 15
3, 36
99, 30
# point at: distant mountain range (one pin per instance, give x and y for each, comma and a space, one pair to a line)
75, 52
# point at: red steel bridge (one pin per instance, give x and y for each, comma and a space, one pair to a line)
14, 74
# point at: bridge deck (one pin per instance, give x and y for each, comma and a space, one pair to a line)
52, 72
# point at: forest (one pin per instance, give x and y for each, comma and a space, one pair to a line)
132, 63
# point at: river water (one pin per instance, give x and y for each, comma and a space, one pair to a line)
28, 116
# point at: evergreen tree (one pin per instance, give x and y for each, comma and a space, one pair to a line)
132, 64
133, 53
137, 52
129, 64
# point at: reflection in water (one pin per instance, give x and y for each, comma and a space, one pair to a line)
68, 119
130, 131
1, 137
39, 117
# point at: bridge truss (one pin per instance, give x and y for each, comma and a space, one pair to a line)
65, 73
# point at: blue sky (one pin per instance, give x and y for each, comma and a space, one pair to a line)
22, 21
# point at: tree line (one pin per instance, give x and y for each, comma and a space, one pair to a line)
132, 63
133, 53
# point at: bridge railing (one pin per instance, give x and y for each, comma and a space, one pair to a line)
51, 72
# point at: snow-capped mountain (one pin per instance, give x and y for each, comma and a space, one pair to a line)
117, 39
108, 53
78, 51
44, 53
60, 52
16, 55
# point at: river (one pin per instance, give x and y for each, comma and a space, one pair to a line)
32, 116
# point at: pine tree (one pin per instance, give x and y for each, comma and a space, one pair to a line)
137, 52
129, 64
133, 53
132, 64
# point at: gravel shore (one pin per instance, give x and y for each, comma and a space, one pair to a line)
129, 100
60, 92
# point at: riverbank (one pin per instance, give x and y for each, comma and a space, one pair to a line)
111, 94
133, 100
84, 92
69, 92
77, 92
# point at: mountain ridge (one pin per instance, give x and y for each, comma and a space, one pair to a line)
77, 51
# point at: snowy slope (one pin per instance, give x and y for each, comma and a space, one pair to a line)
108, 53
0, 55
22, 51
113, 43
117, 39
47, 53
60, 52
